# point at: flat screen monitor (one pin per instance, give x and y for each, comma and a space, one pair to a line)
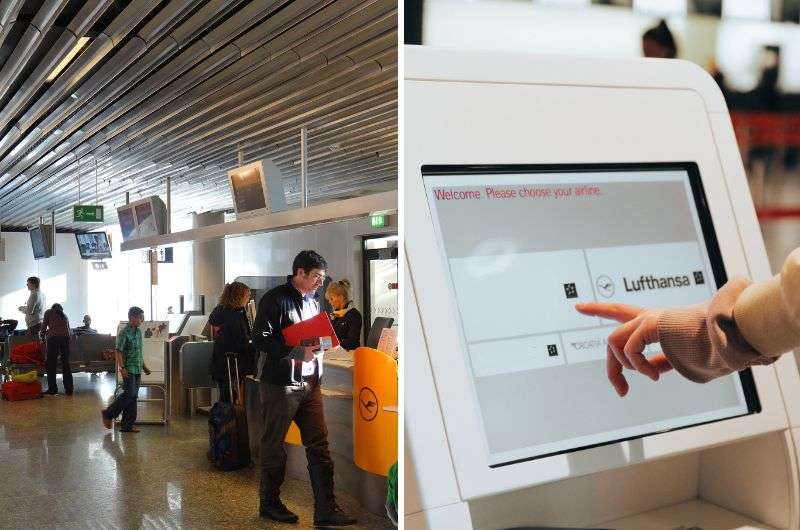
248, 190
93, 245
143, 218
127, 222
257, 188
176, 322
195, 325
41, 242
521, 245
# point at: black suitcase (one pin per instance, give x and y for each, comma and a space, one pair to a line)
228, 440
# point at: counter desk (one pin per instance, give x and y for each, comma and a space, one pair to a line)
359, 392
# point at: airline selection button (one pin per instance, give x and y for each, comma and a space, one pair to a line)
586, 345
515, 355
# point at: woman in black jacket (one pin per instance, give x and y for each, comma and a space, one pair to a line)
231, 332
346, 319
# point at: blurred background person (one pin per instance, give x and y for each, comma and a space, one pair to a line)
86, 328
346, 319
56, 332
658, 42
34, 307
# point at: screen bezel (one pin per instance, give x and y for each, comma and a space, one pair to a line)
709, 235
93, 257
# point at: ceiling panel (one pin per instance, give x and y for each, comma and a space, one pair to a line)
185, 89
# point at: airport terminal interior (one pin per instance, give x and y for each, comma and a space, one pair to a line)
585, 173
170, 156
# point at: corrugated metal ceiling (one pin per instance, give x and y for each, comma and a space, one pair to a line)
176, 88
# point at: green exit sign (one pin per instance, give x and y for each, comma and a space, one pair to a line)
378, 221
87, 213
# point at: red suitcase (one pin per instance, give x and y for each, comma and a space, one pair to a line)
28, 353
14, 391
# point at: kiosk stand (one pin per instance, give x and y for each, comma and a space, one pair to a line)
537, 182
154, 350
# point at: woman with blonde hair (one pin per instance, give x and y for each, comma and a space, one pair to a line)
231, 332
346, 320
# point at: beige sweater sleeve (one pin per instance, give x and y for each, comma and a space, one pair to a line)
707, 341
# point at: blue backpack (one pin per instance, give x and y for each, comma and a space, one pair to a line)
228, 441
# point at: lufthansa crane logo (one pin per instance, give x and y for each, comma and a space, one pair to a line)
605, 286
367, 404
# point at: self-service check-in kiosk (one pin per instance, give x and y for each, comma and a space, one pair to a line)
533, 183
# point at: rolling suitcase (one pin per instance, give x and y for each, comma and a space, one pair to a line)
228, 440
17, 391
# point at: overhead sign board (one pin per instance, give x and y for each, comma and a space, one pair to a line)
87, 213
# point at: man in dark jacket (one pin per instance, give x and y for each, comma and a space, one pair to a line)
290, 391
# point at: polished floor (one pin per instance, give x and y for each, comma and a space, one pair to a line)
59, 468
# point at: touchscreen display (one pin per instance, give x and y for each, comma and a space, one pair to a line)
522, 245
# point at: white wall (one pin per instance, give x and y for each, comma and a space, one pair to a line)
106, 294
63, 276
272, 254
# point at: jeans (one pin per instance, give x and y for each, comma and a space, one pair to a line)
282, 404
58, 346
125, 402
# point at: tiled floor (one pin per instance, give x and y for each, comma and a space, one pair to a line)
59, 468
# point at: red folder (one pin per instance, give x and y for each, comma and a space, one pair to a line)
319, 326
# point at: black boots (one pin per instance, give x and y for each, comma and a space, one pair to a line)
277, 511
326, 511
270, 505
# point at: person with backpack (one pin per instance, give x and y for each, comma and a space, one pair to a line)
130, 363
231, 332
291, 391
56, 332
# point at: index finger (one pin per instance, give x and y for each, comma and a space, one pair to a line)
614, 372
618, 312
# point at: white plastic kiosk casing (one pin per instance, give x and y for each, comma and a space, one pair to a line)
469, 107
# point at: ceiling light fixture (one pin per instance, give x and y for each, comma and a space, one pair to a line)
83, 41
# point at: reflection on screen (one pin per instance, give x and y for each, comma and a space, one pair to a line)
126, 222
521, 250
248, 189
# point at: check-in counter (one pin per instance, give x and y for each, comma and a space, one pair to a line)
359, 393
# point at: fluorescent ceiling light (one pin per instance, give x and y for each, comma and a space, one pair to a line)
83, 41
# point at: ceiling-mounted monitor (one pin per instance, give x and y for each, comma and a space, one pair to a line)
143, 218
93, 245
42, 241
257, 188
127, 221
